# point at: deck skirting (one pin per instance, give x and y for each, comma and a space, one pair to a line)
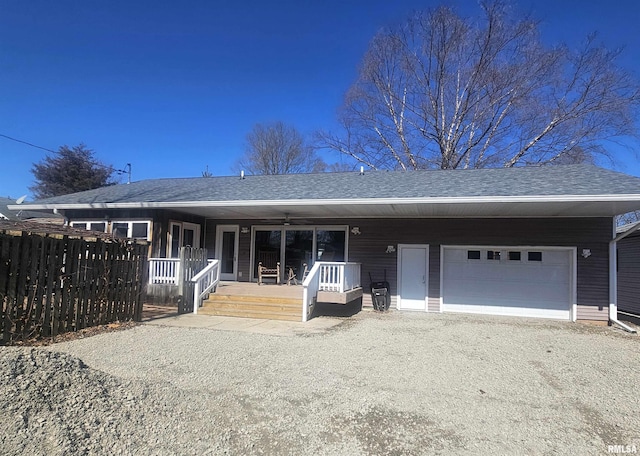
335, 297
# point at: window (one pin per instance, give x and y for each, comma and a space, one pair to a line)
514, 256
119, 229
92, 226
473, 254
493, 255
174, 242
134, 230
535, 256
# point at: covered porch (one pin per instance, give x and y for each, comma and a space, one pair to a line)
333, 283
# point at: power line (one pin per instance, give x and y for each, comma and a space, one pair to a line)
27, 143
100, 165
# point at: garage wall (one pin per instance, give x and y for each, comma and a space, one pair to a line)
369, 249
583, 233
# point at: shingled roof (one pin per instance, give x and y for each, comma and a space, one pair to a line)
567, 190
21, 214
526, 181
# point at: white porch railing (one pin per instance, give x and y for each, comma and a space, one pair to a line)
205, 281
164, 271
339, 277
328, 276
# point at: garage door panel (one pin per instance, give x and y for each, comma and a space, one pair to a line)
507, 287
490, 292
508, 271
530, 312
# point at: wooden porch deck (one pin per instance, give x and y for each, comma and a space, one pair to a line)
266, 290
275, 302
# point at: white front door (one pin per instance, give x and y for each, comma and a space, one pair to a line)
227, 251
413, 275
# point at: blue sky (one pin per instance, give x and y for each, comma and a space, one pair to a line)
173, 87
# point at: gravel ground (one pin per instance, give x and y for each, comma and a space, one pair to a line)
378, 384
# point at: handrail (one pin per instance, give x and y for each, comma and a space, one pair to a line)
164, 271
310, 291
337, 277
205, 281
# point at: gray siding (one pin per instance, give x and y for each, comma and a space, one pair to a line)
629, 274
369, 249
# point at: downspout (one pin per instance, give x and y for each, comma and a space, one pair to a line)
613, 276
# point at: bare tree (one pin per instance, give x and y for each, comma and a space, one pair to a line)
443, 91
278, 148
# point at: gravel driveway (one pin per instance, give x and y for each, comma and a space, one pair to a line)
378, 384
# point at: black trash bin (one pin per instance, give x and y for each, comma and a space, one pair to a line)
380, 296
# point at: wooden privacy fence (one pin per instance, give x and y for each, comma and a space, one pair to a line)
192, 261
56, 283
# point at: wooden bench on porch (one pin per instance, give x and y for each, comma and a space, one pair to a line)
268, 267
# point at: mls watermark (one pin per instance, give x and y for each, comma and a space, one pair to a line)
622, 449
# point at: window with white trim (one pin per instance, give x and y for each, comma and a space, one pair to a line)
91, 225
123, 229
182, 234
131, 230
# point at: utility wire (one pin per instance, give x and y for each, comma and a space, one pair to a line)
100, 165
27, 143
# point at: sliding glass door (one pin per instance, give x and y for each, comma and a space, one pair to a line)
298, 251
296, 246
267, 247
331, 245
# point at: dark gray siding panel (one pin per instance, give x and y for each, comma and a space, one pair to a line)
629, 274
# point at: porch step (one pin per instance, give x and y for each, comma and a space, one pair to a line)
268, 308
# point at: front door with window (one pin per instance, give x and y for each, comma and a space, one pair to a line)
182, 234
227, 251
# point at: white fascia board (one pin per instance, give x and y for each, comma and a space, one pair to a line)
337, 202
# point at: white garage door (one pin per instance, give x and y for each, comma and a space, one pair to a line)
508, 281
